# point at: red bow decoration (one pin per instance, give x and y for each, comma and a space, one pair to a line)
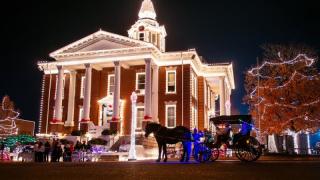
115, 119
147, 117
85, 120
55, 121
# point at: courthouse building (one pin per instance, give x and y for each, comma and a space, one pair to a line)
92, 79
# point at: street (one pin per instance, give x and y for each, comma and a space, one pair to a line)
171, 170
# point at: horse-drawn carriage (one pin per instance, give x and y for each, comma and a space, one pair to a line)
245, 147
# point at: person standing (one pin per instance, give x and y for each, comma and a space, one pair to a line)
186, 147
36, 152
196, 143
59, 152
47, 148
41, 150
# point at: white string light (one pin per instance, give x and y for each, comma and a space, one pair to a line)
255, 73
8, 129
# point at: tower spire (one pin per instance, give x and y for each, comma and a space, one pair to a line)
147, 10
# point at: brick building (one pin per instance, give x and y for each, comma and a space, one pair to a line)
93, 75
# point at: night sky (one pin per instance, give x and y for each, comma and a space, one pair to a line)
221, 31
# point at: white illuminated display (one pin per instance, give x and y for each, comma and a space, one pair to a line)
132, 152
8, 124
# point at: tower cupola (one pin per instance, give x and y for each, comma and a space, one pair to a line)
147, 28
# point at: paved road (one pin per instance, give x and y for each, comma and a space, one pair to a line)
172, 170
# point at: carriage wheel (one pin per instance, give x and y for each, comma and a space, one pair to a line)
215, 154
248, 149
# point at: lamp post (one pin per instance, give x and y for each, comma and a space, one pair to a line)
132, 151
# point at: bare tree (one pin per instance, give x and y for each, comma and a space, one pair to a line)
288, 94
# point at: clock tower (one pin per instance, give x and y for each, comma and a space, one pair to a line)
147, 28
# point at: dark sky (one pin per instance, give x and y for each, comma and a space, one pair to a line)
219, 30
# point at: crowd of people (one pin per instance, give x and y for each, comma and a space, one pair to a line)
55, 150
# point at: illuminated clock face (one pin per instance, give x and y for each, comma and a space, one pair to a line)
141, 28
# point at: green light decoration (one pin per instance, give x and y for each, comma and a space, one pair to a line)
11, 141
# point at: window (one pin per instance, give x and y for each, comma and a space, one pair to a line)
63, 84
194, 85
80, 116
111, 82
171, 116
140, 117
194, 117
83, 78
141, 36
171, 82
140, 82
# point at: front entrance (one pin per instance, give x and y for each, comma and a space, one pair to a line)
105, 111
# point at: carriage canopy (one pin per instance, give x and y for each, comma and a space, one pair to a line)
234, 119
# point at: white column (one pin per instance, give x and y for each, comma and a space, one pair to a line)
116, 96
58, 102
87, 94
155, 93
222, 96
72, 92
147, 95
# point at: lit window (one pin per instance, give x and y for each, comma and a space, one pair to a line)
194, 86
171, 116
82, 87
140, 82
80, 116
194, 117
141, 36
171, 82
154, 40
111, 84
140, 117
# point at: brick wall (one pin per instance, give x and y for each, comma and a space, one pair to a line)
200, 103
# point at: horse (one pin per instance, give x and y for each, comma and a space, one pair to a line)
166, 136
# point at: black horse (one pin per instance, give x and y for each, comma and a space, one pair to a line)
166, 136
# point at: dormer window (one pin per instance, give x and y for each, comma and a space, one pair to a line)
141, 36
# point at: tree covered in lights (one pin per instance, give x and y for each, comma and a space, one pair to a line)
8, 115
12, 141
283, 91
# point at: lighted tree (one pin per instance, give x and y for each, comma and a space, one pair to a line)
288, 94
7, 117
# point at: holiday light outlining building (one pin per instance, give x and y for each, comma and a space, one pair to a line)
98, 72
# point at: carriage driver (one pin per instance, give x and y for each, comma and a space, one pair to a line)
196, 138
223, 135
